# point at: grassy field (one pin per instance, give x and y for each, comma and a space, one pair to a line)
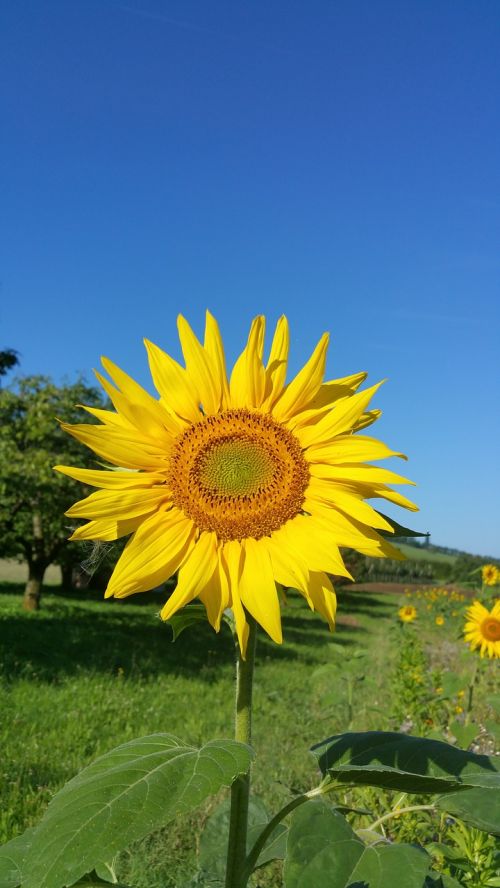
417, 553
83, 675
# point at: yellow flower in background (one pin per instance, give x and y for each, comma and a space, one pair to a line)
407, 613
482, 629
439, 620
490, 575
237, 483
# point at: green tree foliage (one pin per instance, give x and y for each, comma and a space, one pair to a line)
33, 498
8, 359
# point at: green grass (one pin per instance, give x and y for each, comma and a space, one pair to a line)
417, 553
83, 675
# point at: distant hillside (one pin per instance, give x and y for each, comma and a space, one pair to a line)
417, 550
427, 553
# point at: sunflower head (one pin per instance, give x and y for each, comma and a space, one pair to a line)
439, 621
490, 575
235, 482
407, 613
482, 629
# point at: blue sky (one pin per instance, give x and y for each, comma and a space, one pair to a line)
335, 161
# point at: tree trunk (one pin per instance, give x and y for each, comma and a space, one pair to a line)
37, 564
33, 590
67, 577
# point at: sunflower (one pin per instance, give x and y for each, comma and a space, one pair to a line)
439, 621
482, 629
236, 484
490, 575
407, 613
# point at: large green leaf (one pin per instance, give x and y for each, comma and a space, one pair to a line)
321, 846
479, 806
213, 841
123, 796
12, 856
381, 865
398, 761
324, 852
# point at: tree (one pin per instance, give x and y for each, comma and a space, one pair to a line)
8, 359
33, 498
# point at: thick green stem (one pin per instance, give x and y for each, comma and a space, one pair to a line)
240, 790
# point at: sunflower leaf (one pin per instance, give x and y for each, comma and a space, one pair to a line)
399, 761
213, 841
12, 856
188, 616
123, 796
398, 529
478, 806
323, 851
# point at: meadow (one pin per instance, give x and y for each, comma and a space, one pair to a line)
84, 675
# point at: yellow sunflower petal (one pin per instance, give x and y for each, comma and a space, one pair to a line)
231, 557
173, 384
107, 529
118, 447
303, 388
338, 420
348, 449
215, 596
352, 473
215, 347
130, 389
119, 480
258, 588
141, 418
118, 503
367, 419
194, 575
277, 364
153, 554
321, 492
137, 395
289, 567
393, 496
248, 379
305, 535
109, 418
323, 596
200, 368
329, 395
347, 531
335, 389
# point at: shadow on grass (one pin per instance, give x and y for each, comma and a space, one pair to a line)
79, 631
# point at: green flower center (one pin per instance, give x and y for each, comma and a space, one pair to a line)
236, 468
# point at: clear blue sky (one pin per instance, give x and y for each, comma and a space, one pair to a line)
336, 161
